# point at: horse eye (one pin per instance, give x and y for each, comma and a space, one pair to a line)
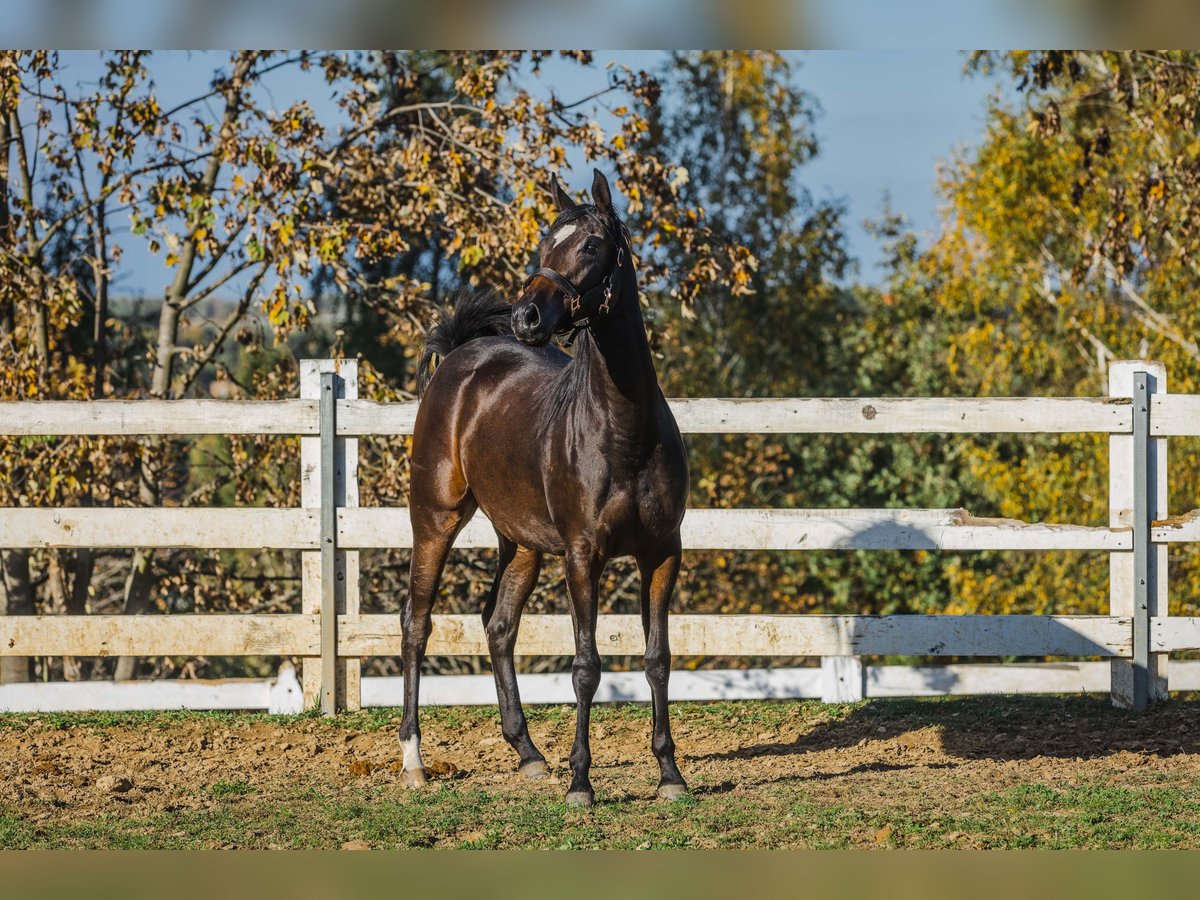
591, 248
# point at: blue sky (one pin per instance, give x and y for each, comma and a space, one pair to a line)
888, 118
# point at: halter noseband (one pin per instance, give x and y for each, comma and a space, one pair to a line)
575, 300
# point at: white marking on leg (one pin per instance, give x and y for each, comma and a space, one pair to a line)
563, 233
412, 753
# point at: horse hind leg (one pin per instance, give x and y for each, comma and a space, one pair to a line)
659, 573
515, 579
433, 536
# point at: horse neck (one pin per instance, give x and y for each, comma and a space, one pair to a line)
615, 357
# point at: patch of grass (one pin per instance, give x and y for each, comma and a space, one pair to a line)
15, 833
224, 789
99, 721
1029, 815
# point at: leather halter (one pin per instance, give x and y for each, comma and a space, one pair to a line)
575, 300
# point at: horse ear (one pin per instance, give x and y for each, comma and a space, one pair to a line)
600, 192
562, 200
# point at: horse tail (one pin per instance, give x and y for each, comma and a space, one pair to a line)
474, 314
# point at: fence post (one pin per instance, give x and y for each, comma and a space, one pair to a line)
1137, 485
346, 563
841, 679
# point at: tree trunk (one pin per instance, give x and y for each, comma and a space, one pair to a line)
16, 592
18, 601
140, 580
81, 580
7, 312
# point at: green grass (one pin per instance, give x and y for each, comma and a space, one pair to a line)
1031, 815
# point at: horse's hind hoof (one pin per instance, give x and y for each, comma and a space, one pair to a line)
581, 799
534, 769
672, 791
414, 779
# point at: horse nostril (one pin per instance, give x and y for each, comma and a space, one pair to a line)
531, 316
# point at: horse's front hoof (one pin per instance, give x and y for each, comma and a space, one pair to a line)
534, 769
672, 791
581, 799
414, 779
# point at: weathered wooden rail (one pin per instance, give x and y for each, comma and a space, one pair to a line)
330, 635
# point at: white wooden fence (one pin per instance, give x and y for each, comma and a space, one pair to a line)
330, 635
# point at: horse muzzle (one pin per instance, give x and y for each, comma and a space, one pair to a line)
532, 323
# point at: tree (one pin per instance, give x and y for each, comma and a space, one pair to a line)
438, 165
1070, 241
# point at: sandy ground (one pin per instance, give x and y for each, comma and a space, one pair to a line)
923, 757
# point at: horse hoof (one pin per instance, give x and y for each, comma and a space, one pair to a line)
534, 769
414, 778
672, 791
581, 799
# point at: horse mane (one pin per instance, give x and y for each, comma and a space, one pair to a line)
570, 383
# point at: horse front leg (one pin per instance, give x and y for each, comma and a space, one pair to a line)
583, 577
659, 573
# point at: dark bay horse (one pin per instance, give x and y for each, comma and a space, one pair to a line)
574, 456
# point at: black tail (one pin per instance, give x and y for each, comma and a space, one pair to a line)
474, 315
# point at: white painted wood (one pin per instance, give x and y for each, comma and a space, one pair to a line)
389, 527
792, 529
164, 694
1175, 414
345, 496
976, 678
771, 635
1169, 634
1184, 675
915, 415
286, 694
362, 418
1121, 501
615, 687
550, 635
695, 415
480, 690
1177, 528
175, 635
841, 679
59, 417
777, 415
200, 527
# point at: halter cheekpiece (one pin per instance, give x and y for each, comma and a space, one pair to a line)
575, 300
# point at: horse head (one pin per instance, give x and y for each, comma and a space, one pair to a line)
580, 263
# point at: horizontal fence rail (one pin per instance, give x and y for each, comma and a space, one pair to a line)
290, 634
283, 693
329, 418
221, 528
1172, 415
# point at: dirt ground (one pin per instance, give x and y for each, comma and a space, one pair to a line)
967, 773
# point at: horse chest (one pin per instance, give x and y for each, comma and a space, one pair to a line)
637, 506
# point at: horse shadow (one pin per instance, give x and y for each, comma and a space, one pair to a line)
999, 728
983, 727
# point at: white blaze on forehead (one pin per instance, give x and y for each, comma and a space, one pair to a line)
412, 753
562, 234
